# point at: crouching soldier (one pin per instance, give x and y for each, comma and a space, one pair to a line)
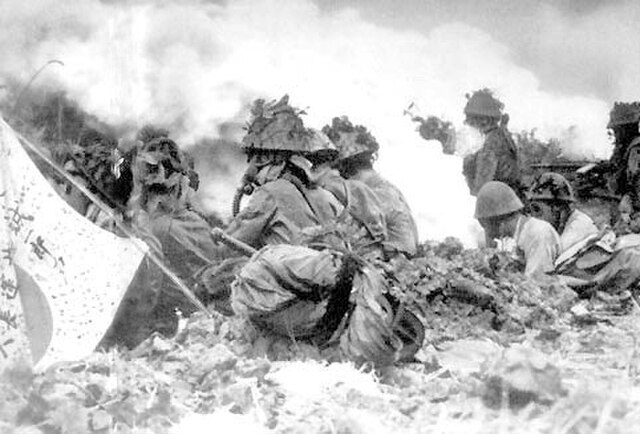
551, 199
178, 237
500, 212
284, 200
327, 298
321, 294
363, 223
357, 152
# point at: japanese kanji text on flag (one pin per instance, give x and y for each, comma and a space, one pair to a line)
61, 277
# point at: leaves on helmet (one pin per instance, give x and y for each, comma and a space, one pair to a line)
344, 134
276, 126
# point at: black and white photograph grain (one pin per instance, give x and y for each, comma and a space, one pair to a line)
319, 216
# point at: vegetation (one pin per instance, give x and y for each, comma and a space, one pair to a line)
518, 357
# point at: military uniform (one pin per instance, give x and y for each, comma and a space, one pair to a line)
278, 211
294, 290
578, 227
186, 242
623, 119
537, 245
402, 231
496, 161
362, 205
356, 142
178, 236
182, 240
618, 179
188, 248
629, 206
628, 216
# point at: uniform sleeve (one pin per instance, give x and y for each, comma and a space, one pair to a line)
402, 232
469, 170
192, 234
579, 228
248, 226
617, 181
541, 248
486, 165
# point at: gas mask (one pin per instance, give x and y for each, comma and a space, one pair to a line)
263, 168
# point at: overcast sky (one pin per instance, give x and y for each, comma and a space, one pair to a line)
585, 47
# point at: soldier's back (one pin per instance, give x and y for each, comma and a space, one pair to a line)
504, 148
280, 209
402, 230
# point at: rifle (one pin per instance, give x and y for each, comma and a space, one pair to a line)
220, 236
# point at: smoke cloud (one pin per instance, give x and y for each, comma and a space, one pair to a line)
585, 50
194, 66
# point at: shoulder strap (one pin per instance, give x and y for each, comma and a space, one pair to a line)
302, 190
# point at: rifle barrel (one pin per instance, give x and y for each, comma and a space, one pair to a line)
244, 248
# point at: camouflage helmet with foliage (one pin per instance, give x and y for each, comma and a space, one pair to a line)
349, 139
320, 147
483, 103
276, 126
624, 113
92, 157
161, 162
551, 186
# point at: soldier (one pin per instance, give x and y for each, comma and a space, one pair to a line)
177, 235
90, 163
357, 151
497, 160
285, 199
629, 206
623, 123
320, 294
364, 222
551, 199
500, 212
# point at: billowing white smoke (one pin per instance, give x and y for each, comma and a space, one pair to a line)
193, 65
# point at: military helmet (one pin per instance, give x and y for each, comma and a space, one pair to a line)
320, 147
160, 161
483, 103
496, 199
349, 139
92, 157
276, 126
624, 113
553, 187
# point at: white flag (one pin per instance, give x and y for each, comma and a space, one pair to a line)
62, 277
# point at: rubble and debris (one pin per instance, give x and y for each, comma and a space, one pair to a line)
222, 366
522, 375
